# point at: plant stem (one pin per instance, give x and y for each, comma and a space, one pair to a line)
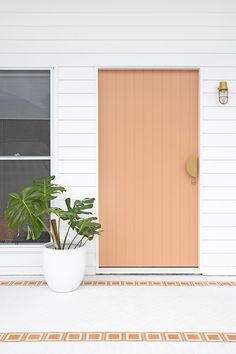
85, 241
56, 239
72, 241
58, 228
67, 233
80, 242
45, 227
50, 233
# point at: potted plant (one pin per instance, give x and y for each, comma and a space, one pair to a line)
63, 260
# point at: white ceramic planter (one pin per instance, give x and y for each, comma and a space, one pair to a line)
63, 269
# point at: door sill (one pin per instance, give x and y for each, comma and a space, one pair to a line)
156, 271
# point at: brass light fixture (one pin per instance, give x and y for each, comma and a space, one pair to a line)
223, 92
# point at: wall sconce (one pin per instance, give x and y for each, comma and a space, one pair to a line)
223, 92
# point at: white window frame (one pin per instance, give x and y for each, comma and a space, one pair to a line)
26, 259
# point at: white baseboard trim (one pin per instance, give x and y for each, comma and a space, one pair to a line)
18, 270
219, 271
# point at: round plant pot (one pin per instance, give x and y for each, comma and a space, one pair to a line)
63, 269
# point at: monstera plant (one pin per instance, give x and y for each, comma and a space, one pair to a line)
63, 261
30, 208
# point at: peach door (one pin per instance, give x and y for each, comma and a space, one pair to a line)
148, 129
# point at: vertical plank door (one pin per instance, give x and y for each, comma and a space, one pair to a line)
148, 129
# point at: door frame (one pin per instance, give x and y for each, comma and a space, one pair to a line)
154, 270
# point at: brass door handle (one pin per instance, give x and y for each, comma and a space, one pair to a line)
191, 167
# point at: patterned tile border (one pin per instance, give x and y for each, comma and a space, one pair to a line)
117, 337
125, 283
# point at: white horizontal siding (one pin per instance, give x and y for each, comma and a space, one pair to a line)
77, 100
218, 174
219, 127
219, 139
119, 32
77, 86
217, 153
77, 126
26, 260
219, 259
74, 139
118, 46
220, 218
221, 112
31, 258
219, 166
104, 6
218, 180
76, 73
219, 75
75, 180
219, 205
118, 59
79, 37
77, 191
228, 247
218, 232
224, 192
67, 113
77, 166
77, 142
77, 153
80, 192
124, 18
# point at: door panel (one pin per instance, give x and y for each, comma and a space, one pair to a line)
148, 206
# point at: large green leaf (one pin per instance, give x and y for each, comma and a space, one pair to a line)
20, 212
29, 207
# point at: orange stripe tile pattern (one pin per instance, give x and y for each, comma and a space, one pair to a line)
125, 283
117, 337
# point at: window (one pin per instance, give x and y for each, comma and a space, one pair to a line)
24, 136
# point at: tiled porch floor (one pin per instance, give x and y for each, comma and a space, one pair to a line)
138, 308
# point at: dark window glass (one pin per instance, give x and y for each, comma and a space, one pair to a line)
24, 137
24, 112
15, 175
24, 94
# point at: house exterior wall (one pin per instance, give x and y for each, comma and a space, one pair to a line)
76, 38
